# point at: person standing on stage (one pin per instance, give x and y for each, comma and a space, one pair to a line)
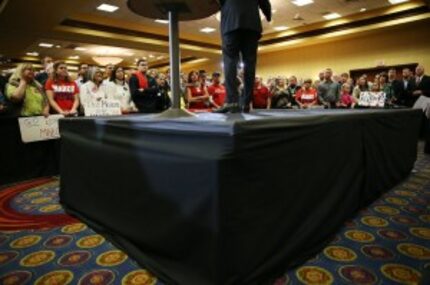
241, 29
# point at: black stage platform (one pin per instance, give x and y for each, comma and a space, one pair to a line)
235, 199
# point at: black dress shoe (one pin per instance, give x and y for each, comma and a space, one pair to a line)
246, 109
228, 108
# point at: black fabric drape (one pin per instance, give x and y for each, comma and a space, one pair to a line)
19, 161
235, 201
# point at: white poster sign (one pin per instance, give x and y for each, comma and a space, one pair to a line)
423, 103
372, 99
103, 108
39, 128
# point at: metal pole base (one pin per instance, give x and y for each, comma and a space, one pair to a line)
175, 113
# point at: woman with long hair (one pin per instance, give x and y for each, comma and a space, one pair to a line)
24, 91
281, 98
118, 89
362, 86
163, 99
197, 95
62, 91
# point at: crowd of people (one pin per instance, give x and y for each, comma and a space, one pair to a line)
53, 91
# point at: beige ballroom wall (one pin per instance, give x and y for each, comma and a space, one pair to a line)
407, 43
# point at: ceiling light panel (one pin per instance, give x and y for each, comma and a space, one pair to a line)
107, 8
302, 2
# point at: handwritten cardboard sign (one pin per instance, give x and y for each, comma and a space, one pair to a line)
372, 99
39, 128
103, 108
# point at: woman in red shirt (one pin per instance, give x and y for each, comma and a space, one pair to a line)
197, 95
307, 96
62, 92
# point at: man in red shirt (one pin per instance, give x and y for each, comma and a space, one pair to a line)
306, 97
262, 97
143, 91
217, 90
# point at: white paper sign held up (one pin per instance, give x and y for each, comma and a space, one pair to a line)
39, 128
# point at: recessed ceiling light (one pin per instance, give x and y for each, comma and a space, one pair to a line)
150, 56
107, 8
331, 16
80, 49
280, 28
363, 10
274, 11
74, 57
207, 30
393, 2
46, 45
160, 21
58, 46
302, 2
32, 53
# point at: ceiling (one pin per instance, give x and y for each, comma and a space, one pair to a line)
25, 24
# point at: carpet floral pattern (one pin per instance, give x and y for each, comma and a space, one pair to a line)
386, 243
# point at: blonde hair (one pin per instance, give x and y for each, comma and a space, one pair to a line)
17, 75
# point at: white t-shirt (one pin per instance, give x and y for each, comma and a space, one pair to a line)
79, 82
121, 92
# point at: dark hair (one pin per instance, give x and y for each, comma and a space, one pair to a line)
44, 58
54, 73
141, 60
365, 86
385, 75
113, 75
192, 72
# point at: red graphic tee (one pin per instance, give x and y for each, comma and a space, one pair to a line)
218, 93
197, 92
261, 95
64, 92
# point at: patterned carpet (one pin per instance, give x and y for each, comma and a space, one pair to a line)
387, 243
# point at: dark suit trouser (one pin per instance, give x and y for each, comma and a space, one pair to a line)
236, 43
